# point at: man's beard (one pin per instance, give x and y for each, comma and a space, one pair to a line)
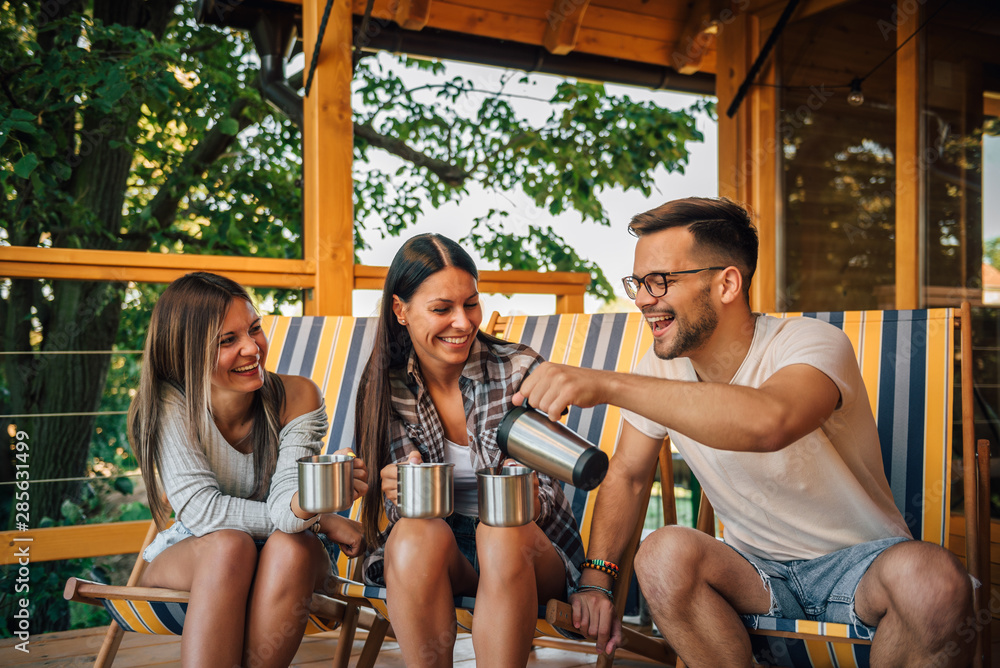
689, 336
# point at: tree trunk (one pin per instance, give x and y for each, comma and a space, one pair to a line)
78, 316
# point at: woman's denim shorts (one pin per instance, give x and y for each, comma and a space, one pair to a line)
178, 532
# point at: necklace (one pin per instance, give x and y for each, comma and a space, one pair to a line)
244, 437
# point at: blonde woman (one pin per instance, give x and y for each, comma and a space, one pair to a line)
222, 434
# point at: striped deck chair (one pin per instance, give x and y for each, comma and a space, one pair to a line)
609, 341
331, 351
907, 362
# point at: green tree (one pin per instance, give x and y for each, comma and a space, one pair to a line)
125, 125
991, 251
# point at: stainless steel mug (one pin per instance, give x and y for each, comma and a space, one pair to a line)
534, 440
507, 498
425, 490
326, 483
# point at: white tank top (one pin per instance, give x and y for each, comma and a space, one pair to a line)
466, 485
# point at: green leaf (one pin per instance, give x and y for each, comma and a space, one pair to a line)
229, 126
124, 485
71, 512
26, 165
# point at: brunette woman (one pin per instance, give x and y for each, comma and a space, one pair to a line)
435, 390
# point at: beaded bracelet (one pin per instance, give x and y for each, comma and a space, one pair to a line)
600, 565
606, 592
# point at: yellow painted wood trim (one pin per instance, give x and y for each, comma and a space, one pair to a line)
88, 540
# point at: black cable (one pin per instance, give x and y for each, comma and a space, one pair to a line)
896, 50
362, 31
761, 57
319, 43
870, 72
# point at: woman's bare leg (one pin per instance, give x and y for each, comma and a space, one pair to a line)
218, 569
518, 567
424, 569
289, 569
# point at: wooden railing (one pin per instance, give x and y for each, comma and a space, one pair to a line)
98, 265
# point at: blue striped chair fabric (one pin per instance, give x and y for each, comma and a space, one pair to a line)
610, 341
157, 617
907, 355
907, 362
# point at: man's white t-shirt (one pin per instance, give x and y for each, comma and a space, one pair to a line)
822, 493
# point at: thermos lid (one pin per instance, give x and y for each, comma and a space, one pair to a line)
590, 469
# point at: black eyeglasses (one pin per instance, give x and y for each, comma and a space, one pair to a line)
656, 282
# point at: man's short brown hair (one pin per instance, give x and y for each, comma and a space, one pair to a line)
723, 231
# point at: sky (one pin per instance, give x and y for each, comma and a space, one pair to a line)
610, 247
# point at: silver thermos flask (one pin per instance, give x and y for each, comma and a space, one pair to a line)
534, 440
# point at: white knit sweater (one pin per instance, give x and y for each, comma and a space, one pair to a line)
207, 484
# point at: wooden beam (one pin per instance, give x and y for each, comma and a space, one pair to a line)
412, 14
762, 165
559, 283
79, 542
748, 147
768, 11
563, 29
698, 35
733, 50
909, 167
96, 265
991, 104
127, 266
327, 151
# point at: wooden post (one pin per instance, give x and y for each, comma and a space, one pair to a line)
909, 165
327, 151
748, 145
763, 177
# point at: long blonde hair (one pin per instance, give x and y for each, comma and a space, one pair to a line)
181, 350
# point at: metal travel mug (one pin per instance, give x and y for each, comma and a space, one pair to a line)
507, 498
326, 483
425, 490
534, 440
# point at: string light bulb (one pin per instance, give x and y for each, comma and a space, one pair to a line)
855, 98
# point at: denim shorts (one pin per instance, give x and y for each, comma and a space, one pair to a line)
464, 528
820, 589
177, 532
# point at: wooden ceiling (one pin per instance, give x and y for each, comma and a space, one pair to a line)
673, 33
679, 34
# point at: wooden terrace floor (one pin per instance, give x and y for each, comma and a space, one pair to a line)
79, 648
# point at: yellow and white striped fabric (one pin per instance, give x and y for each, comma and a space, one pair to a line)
907, 362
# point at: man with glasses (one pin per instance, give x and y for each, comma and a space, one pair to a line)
774, 420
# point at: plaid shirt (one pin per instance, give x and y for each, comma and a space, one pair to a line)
491, 376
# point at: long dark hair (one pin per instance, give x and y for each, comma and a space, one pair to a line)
415, 261
182, 348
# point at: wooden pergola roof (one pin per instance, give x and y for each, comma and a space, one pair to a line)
672, 33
